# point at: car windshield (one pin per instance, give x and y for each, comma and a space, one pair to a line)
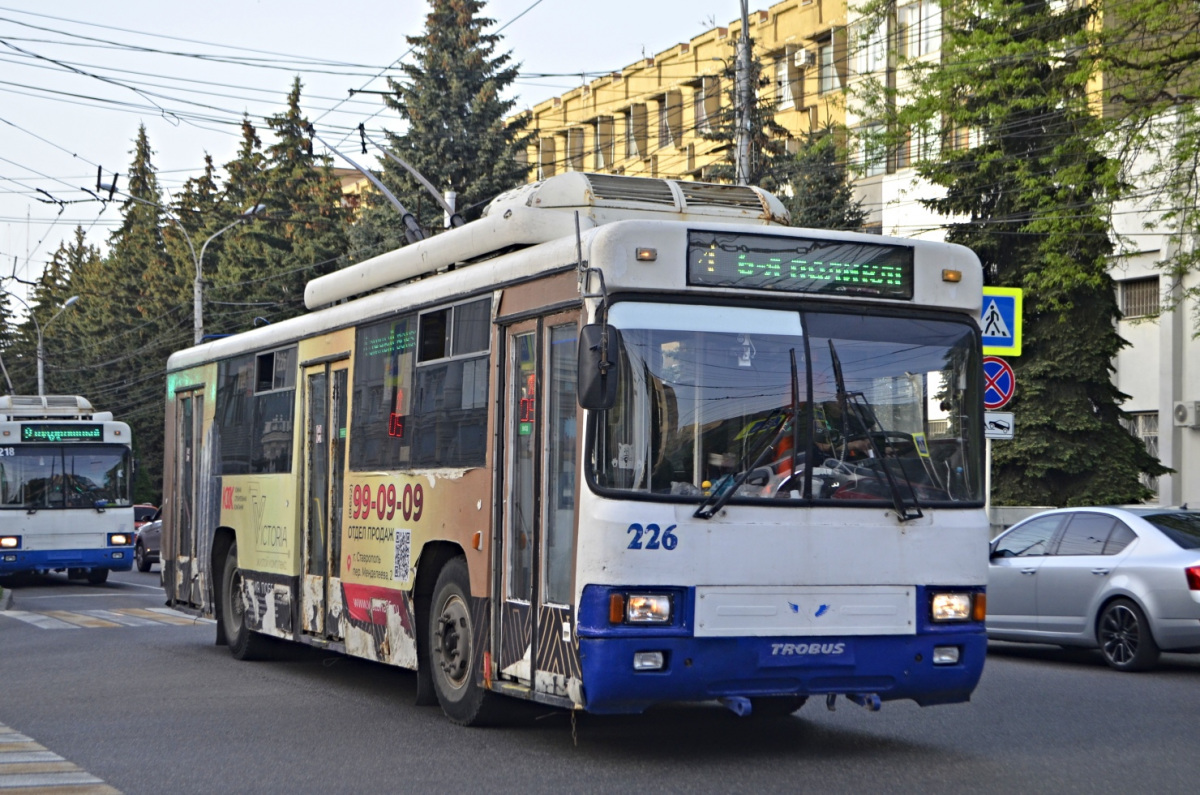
792, 405
1182, 528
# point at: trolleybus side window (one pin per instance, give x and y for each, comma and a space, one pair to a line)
254, 414
420, 390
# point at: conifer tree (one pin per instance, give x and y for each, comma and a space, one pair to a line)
821, 196
457, 132
1023, 164
770, 165
266, 261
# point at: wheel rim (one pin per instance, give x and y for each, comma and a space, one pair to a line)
1119, 634
234, 609
452, 641
140, 554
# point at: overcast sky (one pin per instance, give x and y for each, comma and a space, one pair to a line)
78, 76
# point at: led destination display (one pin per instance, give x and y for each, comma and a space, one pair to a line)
800, 264
45, 432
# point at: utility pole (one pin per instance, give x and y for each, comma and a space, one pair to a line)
743, 90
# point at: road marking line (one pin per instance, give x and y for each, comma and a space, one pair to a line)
28, 767
119, 617
38, 620
179, 617
81, 619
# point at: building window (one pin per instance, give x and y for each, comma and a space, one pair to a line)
872, 153
783, 84
829, 77
635, 132
670, 118
706, 103
1140, 297
546, 150
575, 146
918, 28
1143, 425
872, 56
602, 143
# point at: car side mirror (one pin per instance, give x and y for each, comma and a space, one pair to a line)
599, 348
759, 477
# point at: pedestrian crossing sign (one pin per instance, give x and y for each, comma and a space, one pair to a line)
1000, 319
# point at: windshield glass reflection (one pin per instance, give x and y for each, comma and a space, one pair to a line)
873, 408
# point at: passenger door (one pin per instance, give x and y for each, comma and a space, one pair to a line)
1070, 580
324, 473
1012, 575
185, 563
537, 549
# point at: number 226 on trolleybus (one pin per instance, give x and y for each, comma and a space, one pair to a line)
66, 488
621, 441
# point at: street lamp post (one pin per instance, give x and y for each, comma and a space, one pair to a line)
198, 260
41, 353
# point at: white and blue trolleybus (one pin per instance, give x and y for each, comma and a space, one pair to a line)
66, 488
621, 441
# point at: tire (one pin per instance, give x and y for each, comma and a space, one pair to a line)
97, 576
775, 707
244, 643
452, 650
139, 554
1124, 636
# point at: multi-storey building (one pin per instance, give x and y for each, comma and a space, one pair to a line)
651, 117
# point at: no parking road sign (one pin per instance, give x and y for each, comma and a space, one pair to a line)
1000, 319
999, 383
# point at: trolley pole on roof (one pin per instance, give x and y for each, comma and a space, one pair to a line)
743, 88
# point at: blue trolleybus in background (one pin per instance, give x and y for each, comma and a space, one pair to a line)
66, 488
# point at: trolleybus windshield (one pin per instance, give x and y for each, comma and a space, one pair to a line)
697, 407
47, 476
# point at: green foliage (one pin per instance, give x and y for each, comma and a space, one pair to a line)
821, 196
300, 234
457, 132
770, 166
1031, 195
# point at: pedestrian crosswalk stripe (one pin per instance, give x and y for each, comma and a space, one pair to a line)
104, 619
28, 767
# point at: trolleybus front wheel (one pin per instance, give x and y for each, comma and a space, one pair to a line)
97, 576
244, 643
452, 650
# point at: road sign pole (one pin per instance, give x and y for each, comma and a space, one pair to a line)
987, 478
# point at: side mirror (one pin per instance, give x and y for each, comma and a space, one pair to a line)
599, 348
759, 477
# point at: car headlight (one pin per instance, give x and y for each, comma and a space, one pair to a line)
640, 608
950, 607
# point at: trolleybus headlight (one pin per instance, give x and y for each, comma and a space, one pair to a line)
648, 608
119, 539
951, 607
10, 542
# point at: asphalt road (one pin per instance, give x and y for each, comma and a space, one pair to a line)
157, 707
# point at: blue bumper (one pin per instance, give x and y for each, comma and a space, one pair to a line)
16, 561
699, 669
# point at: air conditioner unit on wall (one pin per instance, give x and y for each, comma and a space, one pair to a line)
1186, 413
804, 58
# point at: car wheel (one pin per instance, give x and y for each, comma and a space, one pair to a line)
139, 555
452, 650
1124, 636
244, 643
97, 576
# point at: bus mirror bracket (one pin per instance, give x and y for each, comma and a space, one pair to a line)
599, 345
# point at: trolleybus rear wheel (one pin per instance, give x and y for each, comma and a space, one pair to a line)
244, 643
452, 649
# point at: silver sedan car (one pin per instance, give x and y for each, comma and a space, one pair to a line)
1125, 580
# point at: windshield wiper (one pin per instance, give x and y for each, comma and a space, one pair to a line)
717, 500
866, 415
